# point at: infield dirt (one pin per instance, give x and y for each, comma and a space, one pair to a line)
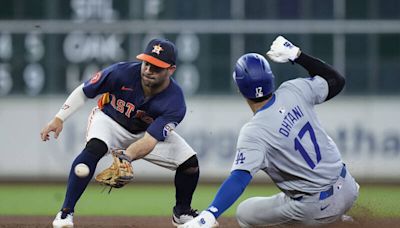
158, 222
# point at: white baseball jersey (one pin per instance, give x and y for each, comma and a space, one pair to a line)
286, 140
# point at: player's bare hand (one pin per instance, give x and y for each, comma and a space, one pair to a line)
56, 126
282, 50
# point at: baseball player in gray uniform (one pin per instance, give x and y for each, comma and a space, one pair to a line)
285, 139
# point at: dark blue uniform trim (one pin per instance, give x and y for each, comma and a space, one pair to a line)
326, 194
268, 104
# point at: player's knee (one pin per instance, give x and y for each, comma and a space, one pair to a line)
242, 224
242, 215
190, 166
96, 147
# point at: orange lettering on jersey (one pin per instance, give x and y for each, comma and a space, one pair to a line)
130, 107
144, 117
127, 107
120, 105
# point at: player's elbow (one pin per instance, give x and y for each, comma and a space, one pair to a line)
341, 81
336, 85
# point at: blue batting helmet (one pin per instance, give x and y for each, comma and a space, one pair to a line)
253, 76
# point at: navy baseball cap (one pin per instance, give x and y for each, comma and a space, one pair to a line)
159, 52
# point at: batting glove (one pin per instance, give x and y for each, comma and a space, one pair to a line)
204, 220
282, 50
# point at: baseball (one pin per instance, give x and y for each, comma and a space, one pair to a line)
81, 170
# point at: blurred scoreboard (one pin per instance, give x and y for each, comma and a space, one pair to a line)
51, 46
41, 60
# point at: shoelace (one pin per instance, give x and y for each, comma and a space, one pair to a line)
191, 212
194, 212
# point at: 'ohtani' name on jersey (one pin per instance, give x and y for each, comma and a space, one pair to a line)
289, 120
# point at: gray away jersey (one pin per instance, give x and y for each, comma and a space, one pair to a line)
286, 140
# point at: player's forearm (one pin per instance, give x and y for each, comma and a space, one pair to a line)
229, 192
141, 148
75, 100
315, 67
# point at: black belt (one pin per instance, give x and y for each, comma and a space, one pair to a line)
325, 194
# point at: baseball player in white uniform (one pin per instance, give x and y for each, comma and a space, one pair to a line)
285, 139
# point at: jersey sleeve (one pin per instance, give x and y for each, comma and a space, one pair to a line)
250, 151
103, 81
164, 124
313, 89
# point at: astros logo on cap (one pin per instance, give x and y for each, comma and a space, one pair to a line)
159, 52
157, 49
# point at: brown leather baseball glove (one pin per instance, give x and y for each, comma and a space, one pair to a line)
119, 173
